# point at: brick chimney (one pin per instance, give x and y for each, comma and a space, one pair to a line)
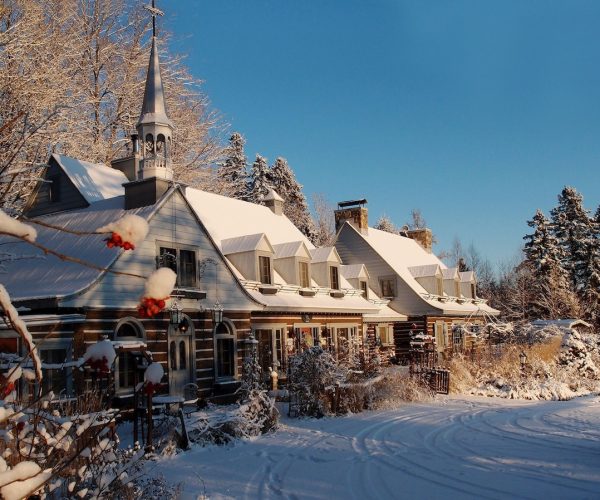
423, 237
354, 212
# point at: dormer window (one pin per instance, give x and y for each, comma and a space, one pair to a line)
473, 294
334, 279
365, 289
440, 286
456, 289
264, 269
304, 274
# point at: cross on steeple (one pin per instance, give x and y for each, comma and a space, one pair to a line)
154, 12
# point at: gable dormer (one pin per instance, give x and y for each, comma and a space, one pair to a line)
429, 277
357, 276
468, 284
451, 282
252, 255
292, 262
325, 265
68, 183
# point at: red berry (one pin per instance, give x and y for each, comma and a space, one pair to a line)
161, 303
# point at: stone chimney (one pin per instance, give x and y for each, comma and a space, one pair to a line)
423, 237
353, 212
274, 202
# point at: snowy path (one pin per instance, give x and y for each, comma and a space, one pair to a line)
452, 448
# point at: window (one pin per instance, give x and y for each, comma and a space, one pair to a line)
365, 289
182, 355
473, 294
127, 368
173, 355
187, 268
180, 261
388, 287
54, 188
386, 334
225, 351
303, 272
440, 330
56, 379
334, 279
306, 337
456, 289
264, 269
270, 349
440, 285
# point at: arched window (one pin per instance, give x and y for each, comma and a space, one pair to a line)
182, 355
225, 349
160, 145
149, 144
129, 329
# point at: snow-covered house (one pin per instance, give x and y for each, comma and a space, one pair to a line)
241, 268
403, 270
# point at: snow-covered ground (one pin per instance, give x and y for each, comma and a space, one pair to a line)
450, 448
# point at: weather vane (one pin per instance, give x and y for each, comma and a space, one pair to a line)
154, 12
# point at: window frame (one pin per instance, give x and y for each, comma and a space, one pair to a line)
54, 190
304, 265
364, 287
55, 345
178, 247
392, 280
264, 279
334, 271
230, 335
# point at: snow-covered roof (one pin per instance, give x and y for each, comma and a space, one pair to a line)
385, 314
354, 271
405, 256
47, 276
292, 249
450, 273
324, 254
225, 218
246, 243
94, 181
467, 276
424, 271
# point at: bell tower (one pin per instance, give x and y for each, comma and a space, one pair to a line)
155, 129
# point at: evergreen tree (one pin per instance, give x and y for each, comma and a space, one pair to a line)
258, 183
232, 174
282, 179
571, 227
552, 297
588, 272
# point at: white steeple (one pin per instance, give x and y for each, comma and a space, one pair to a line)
155, 129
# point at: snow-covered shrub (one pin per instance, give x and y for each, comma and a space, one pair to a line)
556, 369
314, 374
396, 387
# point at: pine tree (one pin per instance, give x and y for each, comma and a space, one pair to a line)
588, 272
282, 179
571, 227
232, 174
258, 183
552, 297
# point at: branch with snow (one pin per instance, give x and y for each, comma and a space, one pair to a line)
9, 225
127, 232
159, 286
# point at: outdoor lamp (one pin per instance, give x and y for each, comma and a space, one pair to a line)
217, 313
175, 313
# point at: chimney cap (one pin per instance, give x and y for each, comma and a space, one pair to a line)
351, 203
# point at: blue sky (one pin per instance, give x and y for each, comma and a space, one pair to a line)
476, 112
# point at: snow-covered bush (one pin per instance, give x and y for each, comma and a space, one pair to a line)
558, 368
314, 374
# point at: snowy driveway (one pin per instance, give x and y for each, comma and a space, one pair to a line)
451, 448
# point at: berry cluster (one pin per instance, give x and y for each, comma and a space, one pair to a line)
7, 389
115, 240
150, 388
150, 307
100, 365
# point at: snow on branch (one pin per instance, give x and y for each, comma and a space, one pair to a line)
159, 286
21, 328
9, 225
127, 232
